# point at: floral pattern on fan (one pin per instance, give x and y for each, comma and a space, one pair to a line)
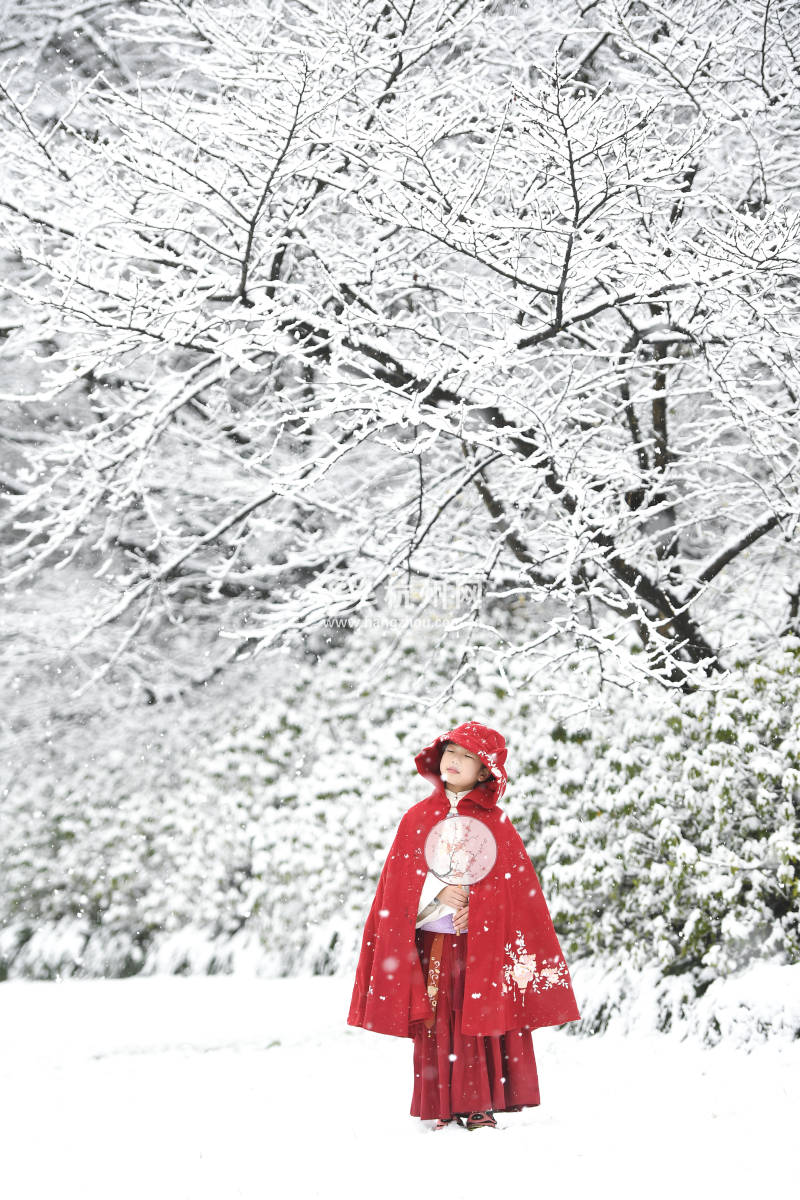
460, 850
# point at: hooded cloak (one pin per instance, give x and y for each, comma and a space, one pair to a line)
516, 976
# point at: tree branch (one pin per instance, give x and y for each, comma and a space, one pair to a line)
731, 552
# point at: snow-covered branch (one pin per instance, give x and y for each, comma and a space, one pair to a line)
457, 292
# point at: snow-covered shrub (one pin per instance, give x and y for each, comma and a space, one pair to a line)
664, 828
223, 834
680, 846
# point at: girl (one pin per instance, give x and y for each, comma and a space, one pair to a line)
466, 974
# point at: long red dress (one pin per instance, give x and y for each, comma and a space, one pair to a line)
455, 1073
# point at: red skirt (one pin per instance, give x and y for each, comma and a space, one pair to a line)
455, 1073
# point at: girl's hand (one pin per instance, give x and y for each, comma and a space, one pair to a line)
454, 895
461, 919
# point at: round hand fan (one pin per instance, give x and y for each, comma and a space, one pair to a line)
460, 850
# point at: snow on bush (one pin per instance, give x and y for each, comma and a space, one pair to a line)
664, 827
679, 844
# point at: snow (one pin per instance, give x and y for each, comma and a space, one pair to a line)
742, 1010
235, 1087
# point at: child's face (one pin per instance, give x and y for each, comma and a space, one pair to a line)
461, 769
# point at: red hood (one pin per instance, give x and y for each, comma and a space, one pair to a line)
490, 747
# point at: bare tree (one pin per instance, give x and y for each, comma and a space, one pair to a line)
362, 293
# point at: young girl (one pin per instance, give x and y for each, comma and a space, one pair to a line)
466, 973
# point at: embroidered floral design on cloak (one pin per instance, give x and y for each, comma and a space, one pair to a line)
523, 970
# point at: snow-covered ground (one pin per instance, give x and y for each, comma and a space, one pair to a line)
226, 1087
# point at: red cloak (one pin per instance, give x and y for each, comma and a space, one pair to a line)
516, 976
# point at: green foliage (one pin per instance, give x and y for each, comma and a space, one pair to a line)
664, 828
682, 849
